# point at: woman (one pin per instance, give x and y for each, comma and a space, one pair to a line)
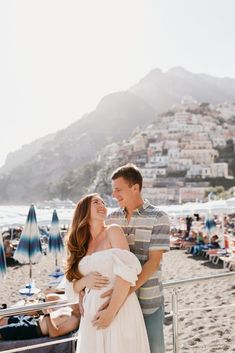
99, 259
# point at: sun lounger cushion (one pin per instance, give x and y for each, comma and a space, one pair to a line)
68, 347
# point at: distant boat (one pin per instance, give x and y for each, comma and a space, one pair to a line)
56, 204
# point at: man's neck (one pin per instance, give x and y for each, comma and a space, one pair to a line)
130, 209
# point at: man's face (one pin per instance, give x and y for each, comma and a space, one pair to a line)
122, 192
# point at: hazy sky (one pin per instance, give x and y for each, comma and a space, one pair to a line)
60, 57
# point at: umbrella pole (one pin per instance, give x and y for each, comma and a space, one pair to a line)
56, 261
30, 271
222, 229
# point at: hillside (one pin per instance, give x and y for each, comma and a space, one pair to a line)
39, 170
114, 119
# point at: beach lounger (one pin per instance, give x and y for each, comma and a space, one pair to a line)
228, 262
215, 254
68, 347
204, 253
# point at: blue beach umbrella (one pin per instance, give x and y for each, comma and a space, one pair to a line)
55, 244
3, 266
29, 249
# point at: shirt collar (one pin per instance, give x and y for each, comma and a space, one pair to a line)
139, 209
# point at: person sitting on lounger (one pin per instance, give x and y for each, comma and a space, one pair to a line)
8, 248
27, 327
213, 244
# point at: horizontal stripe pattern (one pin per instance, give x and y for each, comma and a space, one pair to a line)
147, 230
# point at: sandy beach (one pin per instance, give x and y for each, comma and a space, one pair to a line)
208, 331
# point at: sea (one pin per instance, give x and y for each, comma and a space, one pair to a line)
17, 215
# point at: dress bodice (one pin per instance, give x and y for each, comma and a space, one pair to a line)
111, 263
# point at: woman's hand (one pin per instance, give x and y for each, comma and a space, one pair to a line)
95, 280
92, 281
103, 319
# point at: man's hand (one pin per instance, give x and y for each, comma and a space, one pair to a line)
81, 309
107, 295
131, 290
103, 319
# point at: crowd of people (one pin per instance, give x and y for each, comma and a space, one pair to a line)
196, 238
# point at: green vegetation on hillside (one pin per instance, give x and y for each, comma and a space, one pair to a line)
76, 183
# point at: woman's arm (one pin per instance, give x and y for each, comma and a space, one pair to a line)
95, 280
121, 287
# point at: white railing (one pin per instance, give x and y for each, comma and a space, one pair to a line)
175, 311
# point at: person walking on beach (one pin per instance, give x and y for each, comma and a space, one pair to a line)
99, 259
147, 231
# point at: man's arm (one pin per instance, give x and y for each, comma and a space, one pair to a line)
148, 268
69, 325
159, 243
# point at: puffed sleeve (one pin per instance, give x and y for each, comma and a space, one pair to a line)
71, 296
126, 265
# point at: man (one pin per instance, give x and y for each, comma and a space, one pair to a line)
147, 230
56, 324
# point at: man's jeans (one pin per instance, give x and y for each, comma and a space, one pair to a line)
154, 326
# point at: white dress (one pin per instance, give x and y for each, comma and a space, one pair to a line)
127, 332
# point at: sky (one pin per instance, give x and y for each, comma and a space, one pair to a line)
60, 57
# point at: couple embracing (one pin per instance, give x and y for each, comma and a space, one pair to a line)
116, 264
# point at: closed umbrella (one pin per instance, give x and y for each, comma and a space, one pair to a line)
29, 249
55, 244
3, 266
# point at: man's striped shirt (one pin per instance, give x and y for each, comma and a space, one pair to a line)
147, 230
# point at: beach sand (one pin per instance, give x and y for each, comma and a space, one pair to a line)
18, 276
208, 331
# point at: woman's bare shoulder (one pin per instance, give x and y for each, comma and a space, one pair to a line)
117, 237
114, 228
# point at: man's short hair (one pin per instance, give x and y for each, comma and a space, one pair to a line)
130, 173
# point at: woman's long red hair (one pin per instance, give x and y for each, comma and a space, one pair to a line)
78, 237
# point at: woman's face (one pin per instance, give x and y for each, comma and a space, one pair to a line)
98, 211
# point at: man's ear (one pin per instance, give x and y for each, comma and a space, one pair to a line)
136, 188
